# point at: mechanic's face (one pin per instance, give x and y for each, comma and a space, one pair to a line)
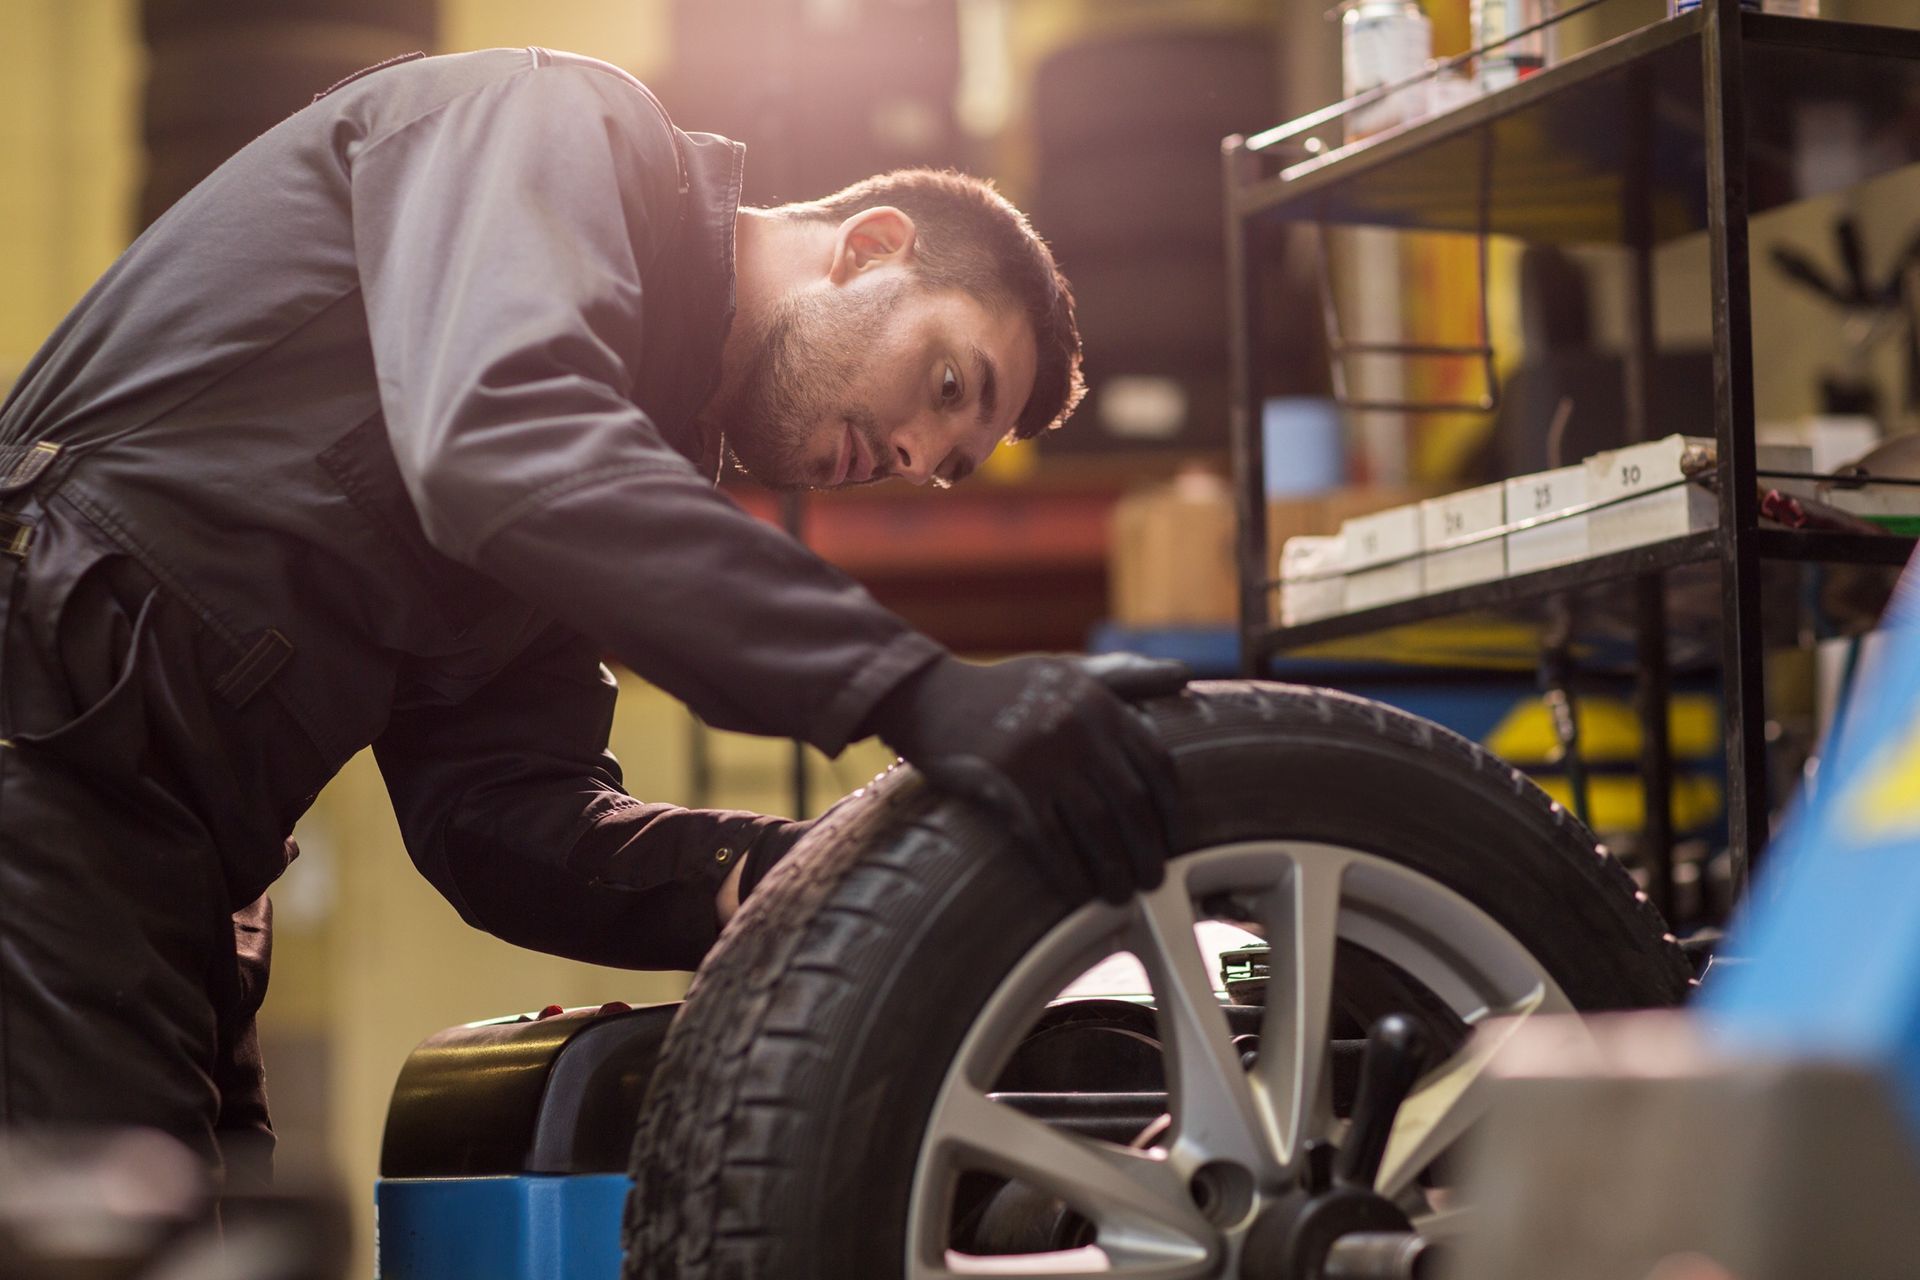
870, 375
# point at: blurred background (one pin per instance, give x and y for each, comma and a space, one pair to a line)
1102, 118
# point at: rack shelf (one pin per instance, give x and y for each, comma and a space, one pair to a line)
1693, 124
1559, 145
1634, 562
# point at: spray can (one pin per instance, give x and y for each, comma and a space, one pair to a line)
1495, 20
1381, 42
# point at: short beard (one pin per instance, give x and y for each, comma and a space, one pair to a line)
802, 363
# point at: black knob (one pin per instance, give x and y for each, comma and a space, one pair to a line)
1395, 1053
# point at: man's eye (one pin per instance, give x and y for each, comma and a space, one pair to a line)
949, 386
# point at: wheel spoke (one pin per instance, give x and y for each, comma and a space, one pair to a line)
1090, 1261
1448, 1099
1135, 1199
1215, 1113
1302, 917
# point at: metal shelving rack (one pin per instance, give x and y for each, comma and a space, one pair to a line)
1684, 126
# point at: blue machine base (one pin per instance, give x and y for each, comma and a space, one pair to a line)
534, 1227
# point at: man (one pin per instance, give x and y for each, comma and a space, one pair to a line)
384, 435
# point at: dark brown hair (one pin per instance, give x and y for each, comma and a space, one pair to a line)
967, 236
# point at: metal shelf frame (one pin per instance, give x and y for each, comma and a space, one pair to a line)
1689, 95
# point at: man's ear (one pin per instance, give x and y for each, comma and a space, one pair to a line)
871, 238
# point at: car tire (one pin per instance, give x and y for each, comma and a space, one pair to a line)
1157, 306
169, 19
782, 1128
1154, 86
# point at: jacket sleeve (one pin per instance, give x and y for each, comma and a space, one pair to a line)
502, 239
511, 805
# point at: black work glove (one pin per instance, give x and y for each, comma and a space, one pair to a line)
769, 844
1052, 748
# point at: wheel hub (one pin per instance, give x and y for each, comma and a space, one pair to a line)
1294, 1233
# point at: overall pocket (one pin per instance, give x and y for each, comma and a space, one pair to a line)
81, 610
106, 730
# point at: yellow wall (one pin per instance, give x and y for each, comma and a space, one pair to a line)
68, 158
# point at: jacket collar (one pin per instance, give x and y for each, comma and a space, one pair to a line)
712, 170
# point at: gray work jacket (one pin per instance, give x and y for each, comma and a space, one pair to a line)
400, 402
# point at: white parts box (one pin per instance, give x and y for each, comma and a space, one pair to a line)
1382, 557
1462, 535
1896, 506
1640, 468
1389, 584
1312, 584
1642, 496
1381, 538
1673, 512
1543, 531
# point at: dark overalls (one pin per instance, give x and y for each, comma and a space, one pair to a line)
382, 436
128, 982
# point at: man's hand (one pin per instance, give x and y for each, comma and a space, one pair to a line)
1052, 748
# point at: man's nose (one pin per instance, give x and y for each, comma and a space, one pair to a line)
917, 452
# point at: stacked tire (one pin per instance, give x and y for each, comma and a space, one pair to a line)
823, 95
221, 72
1129, 130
